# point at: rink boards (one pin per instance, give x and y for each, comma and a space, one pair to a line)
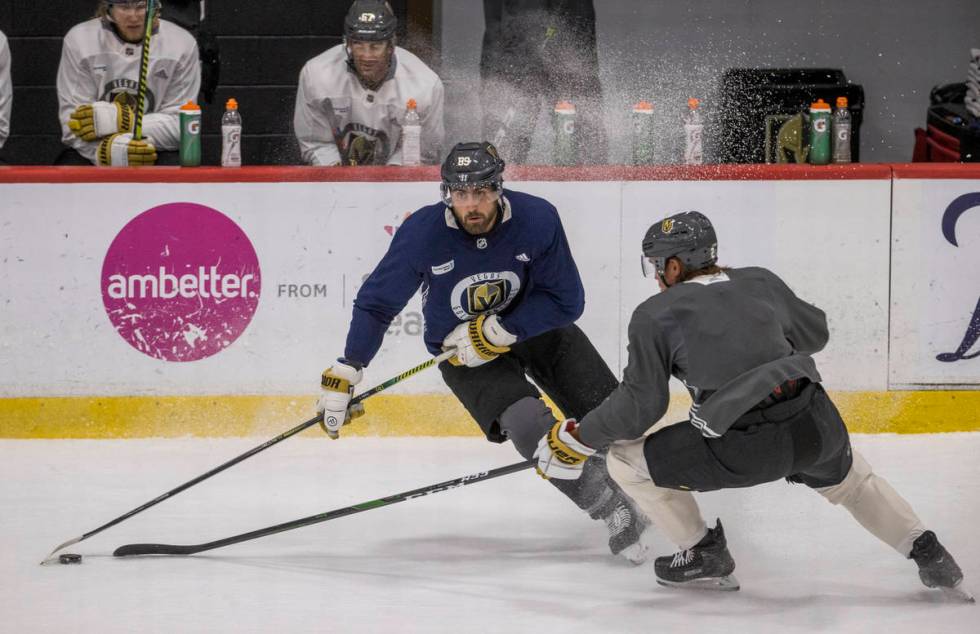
207, 302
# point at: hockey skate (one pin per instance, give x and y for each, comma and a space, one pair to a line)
938, 569
706, 566
626, 525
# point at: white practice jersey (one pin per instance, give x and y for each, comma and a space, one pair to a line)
97, 65
6, 89
332, 104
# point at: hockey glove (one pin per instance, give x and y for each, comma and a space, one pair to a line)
560, 454
478, 341
337, 385
93, 121
123, 150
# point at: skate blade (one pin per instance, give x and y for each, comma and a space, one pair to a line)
728, 583
959, 594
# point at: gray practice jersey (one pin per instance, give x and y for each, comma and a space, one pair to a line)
332, 105
96, 65
732, 338
6, 89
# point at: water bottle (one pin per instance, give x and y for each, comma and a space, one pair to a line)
842, 132
693, 129
190, 134
643, 133
564, 124
412, 135
231, 135
819, 132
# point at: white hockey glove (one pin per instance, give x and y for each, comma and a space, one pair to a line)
92, 121
123, 150
560, 454
337, 384
478, 341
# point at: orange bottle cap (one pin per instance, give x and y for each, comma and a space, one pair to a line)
693, 103
564, 106
190, 105
842, 102
412, 104
643, 106
231, 104
819, 104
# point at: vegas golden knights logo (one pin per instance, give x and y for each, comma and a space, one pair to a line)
667, 225
483, 297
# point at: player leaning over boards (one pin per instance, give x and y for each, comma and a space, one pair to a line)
741, 341
351, 99
502, 289
97, 83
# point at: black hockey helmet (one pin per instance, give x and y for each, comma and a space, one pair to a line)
687, 236
471, 165
370, 20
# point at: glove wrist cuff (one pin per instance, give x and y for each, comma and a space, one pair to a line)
496, 334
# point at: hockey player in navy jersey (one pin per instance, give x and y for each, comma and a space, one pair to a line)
741, 342
502, 290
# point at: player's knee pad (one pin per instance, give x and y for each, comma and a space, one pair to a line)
525, 423
626, 463
850, 488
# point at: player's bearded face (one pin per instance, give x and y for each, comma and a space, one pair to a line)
371, 59
129, 18
475, 208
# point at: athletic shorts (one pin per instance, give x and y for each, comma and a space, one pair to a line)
562, 362
803, 439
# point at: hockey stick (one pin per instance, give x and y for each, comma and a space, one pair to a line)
335, 130
130, 550
151, 10
248, 454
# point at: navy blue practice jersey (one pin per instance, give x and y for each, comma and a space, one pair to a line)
522, 270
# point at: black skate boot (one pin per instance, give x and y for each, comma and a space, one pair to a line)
706, 566
626, 524
937, 568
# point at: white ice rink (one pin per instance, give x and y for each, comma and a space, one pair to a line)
506, 555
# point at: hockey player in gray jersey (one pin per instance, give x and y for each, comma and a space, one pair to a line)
741, 342
97, 83
351, 99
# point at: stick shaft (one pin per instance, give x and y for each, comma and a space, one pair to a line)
174, 549
151, 8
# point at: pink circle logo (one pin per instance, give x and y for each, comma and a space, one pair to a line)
181, 282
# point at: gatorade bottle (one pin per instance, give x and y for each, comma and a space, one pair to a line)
842, 132
564, 123
693, 129
231, 135
643, 133
190, 134
412, 135
820, 132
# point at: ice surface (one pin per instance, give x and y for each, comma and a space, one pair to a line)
506, 555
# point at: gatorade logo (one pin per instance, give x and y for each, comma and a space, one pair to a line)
194, 127
820, 125
568, 126
180, 282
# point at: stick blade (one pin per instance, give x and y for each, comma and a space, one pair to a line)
132, 550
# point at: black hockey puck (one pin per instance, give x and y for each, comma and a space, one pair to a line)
70, 558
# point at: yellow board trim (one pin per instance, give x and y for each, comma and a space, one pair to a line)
400, 415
